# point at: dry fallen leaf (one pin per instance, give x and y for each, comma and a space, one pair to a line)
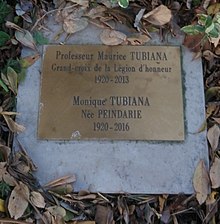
159, 16
215, 173
162, 201
210, 109
201, 182
25, 38
57, 211
73, 26
13, 126
208, 55
213, 136
5, 151
112, 37
37, 199
5, 176
96, 12
123, 209
217, 119
8, 179
12, 80
29, 60
213, 9
104, 215
193, 42
61, 181
83, 222
215, 41
139, 40
211, 199
84, 3
18, 201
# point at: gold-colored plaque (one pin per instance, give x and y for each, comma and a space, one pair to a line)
105, 92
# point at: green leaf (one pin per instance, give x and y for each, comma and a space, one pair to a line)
212, 92
202, 19
22, 75
69, 216
12, 80
39, 38
4, 10
209, 21
2, 84
213, 31
199, 28
15, 64
190, 29
4, 37
123, 3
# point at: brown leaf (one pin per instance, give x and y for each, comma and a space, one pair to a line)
86, 197
112, 37
162, 201
215, 173
213, 136
217, 119
123, 209
84, 3
13, 126
61, 181
211, 198
29, 60
4, 175
210, 109
8, 179
18, 201
96, 12
5, 151
193, 42
25, 38
213, 9
37, 199
215, 41
84, 222
104, 215
201, 182
57, 211
159, 16
139, 40
208, 55
73, 26
217, 50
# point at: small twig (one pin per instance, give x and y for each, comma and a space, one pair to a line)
51, 11
12, 221
182, 211
103, 197
213, 206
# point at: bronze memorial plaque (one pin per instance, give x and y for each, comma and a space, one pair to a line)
111, 92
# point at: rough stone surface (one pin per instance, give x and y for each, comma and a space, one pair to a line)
117, 166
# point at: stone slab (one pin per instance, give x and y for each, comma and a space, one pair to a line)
118, 166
